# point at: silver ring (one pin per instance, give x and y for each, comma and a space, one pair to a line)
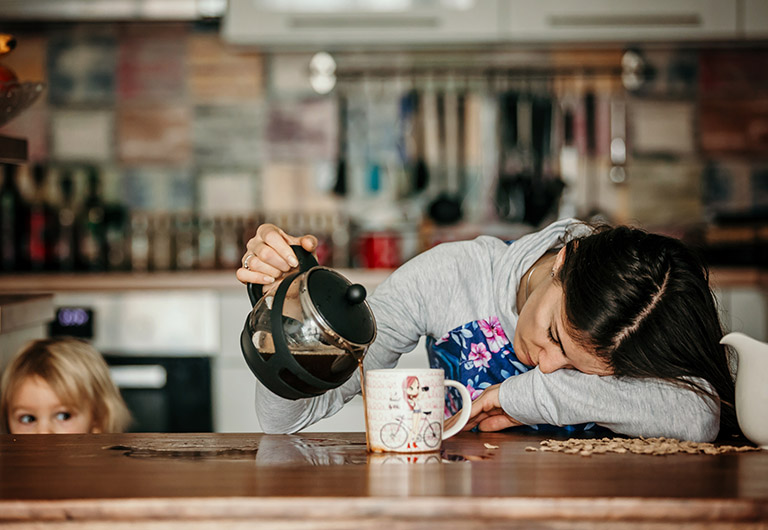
245, 260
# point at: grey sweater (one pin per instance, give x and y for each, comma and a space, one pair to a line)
455, 283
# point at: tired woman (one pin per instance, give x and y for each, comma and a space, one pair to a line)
570, 326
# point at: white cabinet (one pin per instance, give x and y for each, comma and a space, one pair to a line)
755, 19
409, 22
265, 22
619, 20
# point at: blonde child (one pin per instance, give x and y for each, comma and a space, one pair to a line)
60, 386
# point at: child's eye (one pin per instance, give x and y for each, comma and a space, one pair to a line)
63, 416
27, 418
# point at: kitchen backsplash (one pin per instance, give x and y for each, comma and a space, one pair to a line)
406, 152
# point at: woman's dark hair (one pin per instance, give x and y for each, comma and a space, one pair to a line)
643, 302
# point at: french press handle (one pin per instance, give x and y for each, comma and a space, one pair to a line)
306, 262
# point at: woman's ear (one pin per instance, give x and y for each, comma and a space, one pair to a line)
559, 260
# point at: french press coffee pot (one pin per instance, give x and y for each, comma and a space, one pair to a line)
308, 334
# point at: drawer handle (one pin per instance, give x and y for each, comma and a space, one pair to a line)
139, 376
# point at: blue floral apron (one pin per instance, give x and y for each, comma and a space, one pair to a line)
479, 354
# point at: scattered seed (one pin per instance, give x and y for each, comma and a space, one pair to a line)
645, 446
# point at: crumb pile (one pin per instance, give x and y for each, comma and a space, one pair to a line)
639, 446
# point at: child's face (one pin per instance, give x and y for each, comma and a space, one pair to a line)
36, 409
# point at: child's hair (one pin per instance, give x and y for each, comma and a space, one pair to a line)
77, 374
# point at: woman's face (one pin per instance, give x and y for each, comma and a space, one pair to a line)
541, 339
36, 409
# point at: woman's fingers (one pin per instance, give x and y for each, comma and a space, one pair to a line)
274, 247
497, 422
487, 414
269, 256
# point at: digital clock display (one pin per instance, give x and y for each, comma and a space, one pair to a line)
72, 322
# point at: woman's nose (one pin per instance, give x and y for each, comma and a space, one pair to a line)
551, 361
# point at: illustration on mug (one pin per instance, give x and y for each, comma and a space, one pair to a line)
421, 433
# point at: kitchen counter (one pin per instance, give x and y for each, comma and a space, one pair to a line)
329, 481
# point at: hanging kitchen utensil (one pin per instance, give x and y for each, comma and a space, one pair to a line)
307, 335
340, 187
514, 150
592, 186
412, 142
461, 144
445, 209
545, 189
421, 168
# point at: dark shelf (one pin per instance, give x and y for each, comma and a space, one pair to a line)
13, 150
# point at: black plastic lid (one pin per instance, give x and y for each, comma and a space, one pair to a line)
342, 305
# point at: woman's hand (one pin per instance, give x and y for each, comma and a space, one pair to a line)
487, 414
269, 257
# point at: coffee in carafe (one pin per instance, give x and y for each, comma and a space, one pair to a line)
308, 334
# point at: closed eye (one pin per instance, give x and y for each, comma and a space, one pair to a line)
556, 342
551, 336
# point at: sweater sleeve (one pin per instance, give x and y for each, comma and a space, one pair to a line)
634, 407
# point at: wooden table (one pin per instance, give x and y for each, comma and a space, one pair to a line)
328, 481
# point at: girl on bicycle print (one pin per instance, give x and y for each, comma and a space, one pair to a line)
411, 391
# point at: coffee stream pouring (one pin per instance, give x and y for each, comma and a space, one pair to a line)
309, 333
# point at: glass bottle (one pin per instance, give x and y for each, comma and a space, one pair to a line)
206, 244
115, 220
91, 230
11, 211
41, 222
161, 241
139, 246
228, 248
64, 248
185, 242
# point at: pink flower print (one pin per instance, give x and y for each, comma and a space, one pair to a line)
473, 392
492, 330
479, 355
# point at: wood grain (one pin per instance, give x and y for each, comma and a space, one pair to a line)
328, 480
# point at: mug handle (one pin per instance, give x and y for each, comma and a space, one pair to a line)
466, 408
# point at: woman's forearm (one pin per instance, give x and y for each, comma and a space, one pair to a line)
635, 407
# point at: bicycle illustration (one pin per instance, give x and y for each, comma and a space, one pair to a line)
395, 433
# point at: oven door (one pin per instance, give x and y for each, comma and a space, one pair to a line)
165, 394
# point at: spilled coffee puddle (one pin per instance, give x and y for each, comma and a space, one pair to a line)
192, 453
449, 457
322, 442
289, 452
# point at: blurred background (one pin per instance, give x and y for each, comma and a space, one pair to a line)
143, 141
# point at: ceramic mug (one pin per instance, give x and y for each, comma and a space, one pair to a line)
405, 409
